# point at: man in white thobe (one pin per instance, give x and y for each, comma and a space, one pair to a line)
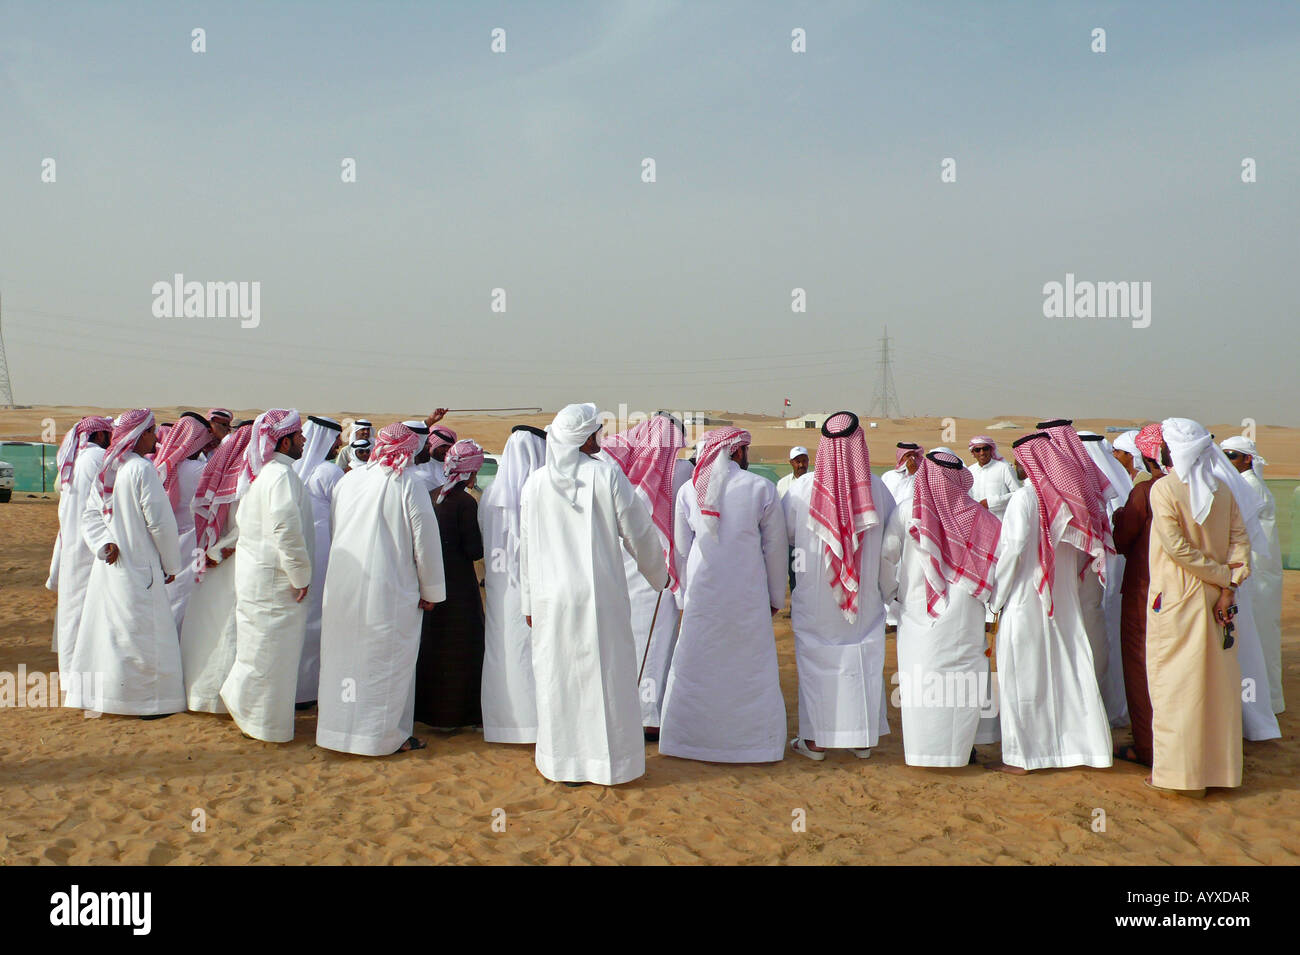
509, 697
127, 638
179, 465
385, 570
1104, 497
322, 438
899, 482
944, 545
835, 520
347, 459
272, 575
1121, 485
993, 480
209, 634
1050, 706
1264, 585
647, 454
79, 459
576, 514
723, 703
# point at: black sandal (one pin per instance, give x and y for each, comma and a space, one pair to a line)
411, 745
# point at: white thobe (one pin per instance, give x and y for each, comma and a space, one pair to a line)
1050, 706
385, 557
272, 560
995, 482
1258, 721
644, 599
128, 636
509, 696
944, 678
209, 632
1265, 586
723, 703
584, 655
188, 474
1099, 613
841, 664
72, 560
900, 485
320, 489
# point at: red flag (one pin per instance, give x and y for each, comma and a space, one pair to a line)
787, 402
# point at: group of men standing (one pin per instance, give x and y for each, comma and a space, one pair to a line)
629, 594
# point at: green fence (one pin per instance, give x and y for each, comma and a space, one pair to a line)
34, 468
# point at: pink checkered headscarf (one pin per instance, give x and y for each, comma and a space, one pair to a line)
462, 463
1063, 511
78, 437
1148, 443
979, 439
126, 432
218, 487
1067, 441
712, 466
268, 428
647, 454
394, 448
440, 437
903, 451
186, 437
958, 537
841, 509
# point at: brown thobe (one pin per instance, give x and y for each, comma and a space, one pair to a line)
1195, 684
1132, 540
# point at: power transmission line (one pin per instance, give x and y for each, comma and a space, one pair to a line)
6, 389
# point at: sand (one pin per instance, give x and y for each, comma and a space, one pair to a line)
190, 789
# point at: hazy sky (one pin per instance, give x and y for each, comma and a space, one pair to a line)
775, 170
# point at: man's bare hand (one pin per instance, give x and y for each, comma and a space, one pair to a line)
227, 553
1221, 606
437, 416
528, 619
775, 611
299, 595
985, 504
168, 578
111, 553
210, 562
426, 604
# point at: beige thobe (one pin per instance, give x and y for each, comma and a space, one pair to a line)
1195, 684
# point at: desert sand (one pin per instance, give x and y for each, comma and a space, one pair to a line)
123, 790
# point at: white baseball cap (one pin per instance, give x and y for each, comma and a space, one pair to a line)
798, 450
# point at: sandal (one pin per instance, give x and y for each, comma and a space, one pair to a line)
411, 745
799, 746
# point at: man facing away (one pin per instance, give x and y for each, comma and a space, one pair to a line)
576, 514
1050, 707
835, 520
723, 702
385, 570
272, 574
1200, 554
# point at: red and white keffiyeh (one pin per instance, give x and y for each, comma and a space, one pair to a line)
647, 454
462, 463
979, 439
394, 448
78, 437
268, 428
712, 466
1067, 441
841, 509
958, 537
1064, 512
186, 437
1148, 442
440, 437
218, 487
221, 413
126, 432
903, 451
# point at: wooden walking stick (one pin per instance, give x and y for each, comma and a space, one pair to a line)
650, 636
